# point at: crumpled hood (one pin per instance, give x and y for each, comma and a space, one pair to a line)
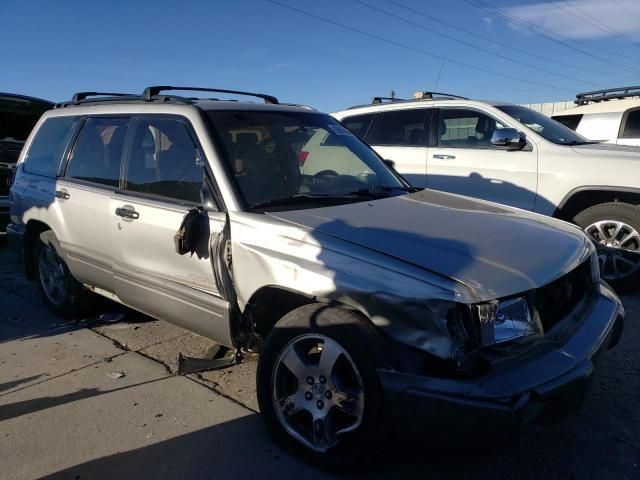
607, 150
494, 250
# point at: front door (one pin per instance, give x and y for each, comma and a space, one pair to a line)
465, 162
163, 177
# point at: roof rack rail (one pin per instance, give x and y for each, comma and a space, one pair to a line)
80, 96
379, 100
150, 92
606, 94
431, 95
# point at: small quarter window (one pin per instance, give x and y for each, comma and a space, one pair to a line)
632, 125
164, 161
569, 121
98, 151
48, 145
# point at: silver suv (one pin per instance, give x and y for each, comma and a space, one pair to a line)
373, 305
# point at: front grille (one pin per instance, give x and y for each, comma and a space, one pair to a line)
555, 301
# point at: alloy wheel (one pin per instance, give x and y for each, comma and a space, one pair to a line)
317, 391
618, 245
52, 275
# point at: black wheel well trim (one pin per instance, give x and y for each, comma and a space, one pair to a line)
297, 299
593, 188
33, 228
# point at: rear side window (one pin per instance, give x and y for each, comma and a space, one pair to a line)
632, 125
569, 121
359, 124
48, 145
164, 160
98, 151
403, 128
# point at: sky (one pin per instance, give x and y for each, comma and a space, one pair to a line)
329, 54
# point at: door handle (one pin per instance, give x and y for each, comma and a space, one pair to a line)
127, 213
63, 194
440, 156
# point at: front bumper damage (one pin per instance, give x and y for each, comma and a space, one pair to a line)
511, 402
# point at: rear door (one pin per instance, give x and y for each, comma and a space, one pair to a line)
83, 196
162, 181
465, 162
401, 136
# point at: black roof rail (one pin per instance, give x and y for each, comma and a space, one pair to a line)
155, 90
379, 100
430, 95
80, 96
606, 94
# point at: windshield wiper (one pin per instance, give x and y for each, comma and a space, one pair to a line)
382, 190
297, 199
574, 143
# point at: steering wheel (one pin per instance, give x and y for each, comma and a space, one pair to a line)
325, 174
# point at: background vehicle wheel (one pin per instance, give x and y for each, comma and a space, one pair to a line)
615, 229
318, 389
62, 293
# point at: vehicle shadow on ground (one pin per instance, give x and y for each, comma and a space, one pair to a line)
241, 448
25, 407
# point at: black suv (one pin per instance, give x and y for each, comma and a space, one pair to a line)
18, 115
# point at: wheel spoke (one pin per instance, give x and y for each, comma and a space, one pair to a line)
294, 363
346, 402
331, 351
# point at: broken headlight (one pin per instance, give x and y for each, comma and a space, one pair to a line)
506, 320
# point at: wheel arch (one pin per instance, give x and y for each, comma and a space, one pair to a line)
33, 229
582, 198
270, 303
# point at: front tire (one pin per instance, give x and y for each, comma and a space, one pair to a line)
61, 292
615, 229
319, 391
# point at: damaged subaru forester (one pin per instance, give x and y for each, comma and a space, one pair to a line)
270, 228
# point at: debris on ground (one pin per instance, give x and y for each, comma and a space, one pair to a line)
115, 375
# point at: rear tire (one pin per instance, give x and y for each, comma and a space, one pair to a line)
310, 425
61, 292
615, 229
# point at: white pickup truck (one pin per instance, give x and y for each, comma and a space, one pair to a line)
512, 155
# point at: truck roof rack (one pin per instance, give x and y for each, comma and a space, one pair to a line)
151, 92
380, 100
432, 95
607, 94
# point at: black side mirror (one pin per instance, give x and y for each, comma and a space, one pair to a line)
508, 139
390, 163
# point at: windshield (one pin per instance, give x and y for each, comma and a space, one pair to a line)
296, 158
544, 126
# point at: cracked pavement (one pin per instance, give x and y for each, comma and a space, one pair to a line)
98, 398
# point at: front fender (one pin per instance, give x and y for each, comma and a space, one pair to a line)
407, 303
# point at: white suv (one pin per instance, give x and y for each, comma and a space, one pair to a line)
512, 155
612, 116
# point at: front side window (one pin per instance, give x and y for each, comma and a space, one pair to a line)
164, 161
401, 128
461, 128
359, 124
544, 126
48, 145
632, 125
98, 151
293, 158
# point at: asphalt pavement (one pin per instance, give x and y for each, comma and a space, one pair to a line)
99, 398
